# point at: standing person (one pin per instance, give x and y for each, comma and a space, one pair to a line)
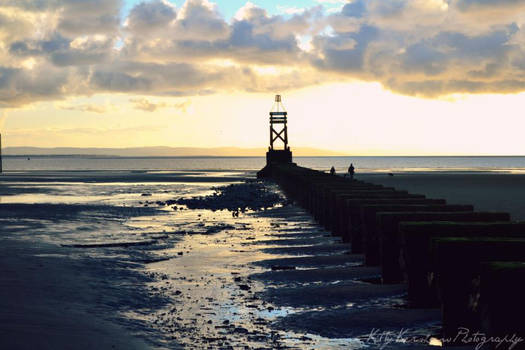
351, 171
332, 171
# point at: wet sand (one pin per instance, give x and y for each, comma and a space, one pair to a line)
247, 293
200, 279
44, 303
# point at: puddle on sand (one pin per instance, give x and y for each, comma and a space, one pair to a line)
214, 301
200, 263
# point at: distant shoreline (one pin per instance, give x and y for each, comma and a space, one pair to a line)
74, 155
117, 156
161, 151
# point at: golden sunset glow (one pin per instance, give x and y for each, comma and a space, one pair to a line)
351, 118
357, 77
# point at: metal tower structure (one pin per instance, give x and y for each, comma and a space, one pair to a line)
278, 116
278, 131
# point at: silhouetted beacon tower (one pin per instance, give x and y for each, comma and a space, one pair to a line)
278, 131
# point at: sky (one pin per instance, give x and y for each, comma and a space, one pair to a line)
361, 77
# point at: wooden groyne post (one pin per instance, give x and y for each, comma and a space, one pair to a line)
412, 237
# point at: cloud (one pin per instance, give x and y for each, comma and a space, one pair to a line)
13, 26
355, 8
163, 51
424, 48
89, 17
200, 20
290, 10
149, 106
152, 17
20, 86
56, 49
466, 5
199, 33
156, 78
345, 51
332, 2
115, 81
93, 108
182, 106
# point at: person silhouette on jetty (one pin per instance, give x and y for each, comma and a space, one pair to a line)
351, 171
332, 171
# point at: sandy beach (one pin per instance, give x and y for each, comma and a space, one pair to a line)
99, 264
486, 191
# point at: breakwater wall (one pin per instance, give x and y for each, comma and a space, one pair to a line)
450, 256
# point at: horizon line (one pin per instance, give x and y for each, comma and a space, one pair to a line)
257, 156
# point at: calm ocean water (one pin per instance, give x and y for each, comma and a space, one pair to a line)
362, 164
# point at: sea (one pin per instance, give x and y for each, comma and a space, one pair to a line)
363, 164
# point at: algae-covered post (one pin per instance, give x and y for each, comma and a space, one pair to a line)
457, 264
503, 307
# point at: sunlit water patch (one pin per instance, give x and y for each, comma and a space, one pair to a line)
177, 270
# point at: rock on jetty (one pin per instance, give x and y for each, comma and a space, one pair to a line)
250, 195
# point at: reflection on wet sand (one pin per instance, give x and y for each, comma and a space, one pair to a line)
164, 276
